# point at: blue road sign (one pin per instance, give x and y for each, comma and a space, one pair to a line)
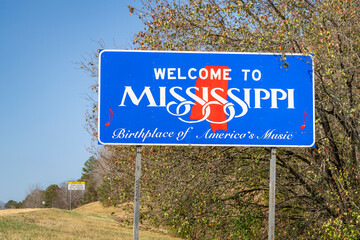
206, 98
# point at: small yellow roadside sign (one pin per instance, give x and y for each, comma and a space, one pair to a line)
76, 186
76, 182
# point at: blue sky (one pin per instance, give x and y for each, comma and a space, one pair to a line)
43, 92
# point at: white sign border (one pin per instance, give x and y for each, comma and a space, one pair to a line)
204, 145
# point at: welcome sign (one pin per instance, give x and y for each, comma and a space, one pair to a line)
203, 98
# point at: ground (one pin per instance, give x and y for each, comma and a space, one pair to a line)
92, 221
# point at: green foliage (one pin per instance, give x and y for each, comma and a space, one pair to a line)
89, 177
117, 184
12, 204
339, 229
50, 195
248, 225
104, 194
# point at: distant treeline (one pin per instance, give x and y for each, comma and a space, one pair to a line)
57, 195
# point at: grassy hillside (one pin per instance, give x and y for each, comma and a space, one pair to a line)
89, 222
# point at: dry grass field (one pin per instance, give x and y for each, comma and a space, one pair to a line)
7, 212
92, 221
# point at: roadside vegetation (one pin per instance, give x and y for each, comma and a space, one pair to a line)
92, 221
222, 192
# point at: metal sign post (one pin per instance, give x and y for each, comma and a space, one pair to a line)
272, 194
70, 200
137, 192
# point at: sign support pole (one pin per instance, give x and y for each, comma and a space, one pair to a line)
137, 192
83, 200
272, 194
70, 200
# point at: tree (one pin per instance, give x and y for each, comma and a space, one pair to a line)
212, 192
92, 175
61, 199
118, 166
35, 198
11, 204
50, 195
